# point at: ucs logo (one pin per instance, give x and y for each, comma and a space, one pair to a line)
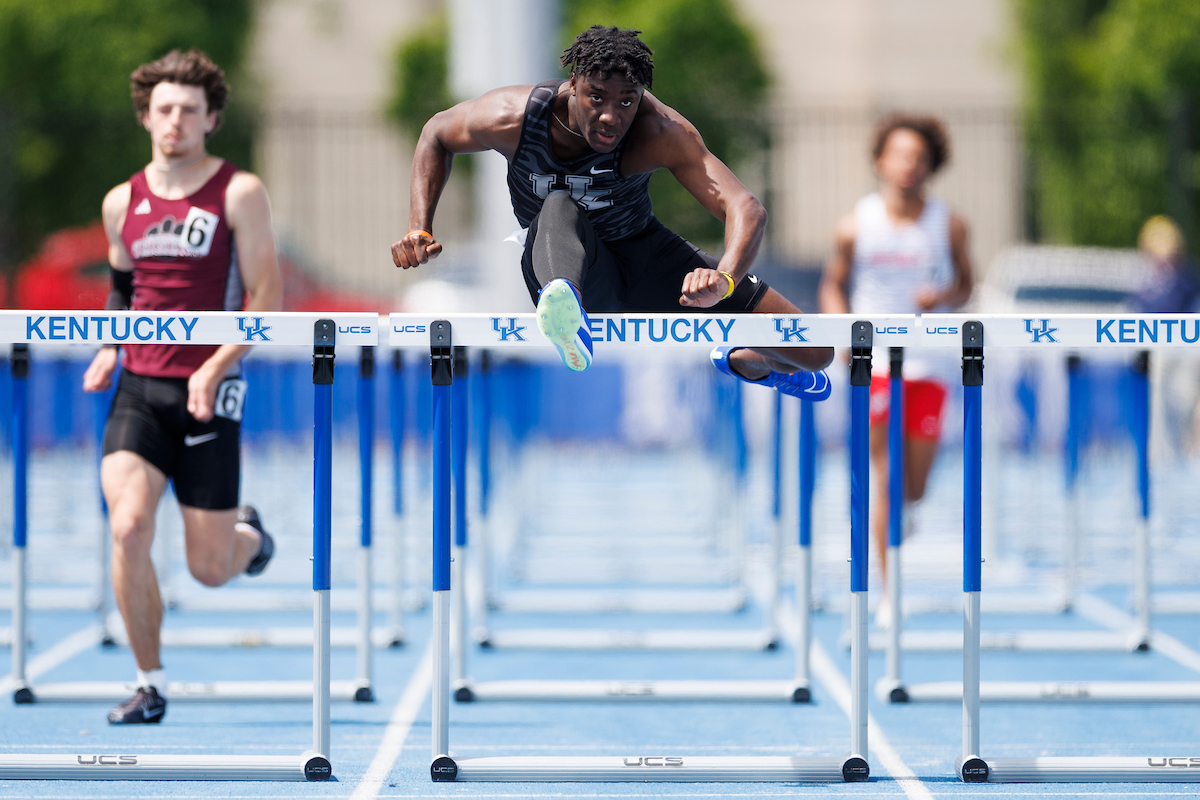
652, 761
793, 333
252, 329
1045, 333
511, 329
106, 761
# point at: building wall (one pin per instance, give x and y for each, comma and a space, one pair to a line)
839, 66
337, 172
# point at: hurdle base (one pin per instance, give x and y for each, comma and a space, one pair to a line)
647, 601
653, 769
972, 769
889, 690
634, 691
1036, 641
1094, 769
363, 694
135, 767
190, 691
599, 639
23, 696
1061, 692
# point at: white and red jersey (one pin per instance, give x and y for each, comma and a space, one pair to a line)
184, 259
892, 262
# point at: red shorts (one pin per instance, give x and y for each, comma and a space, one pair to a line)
923, 402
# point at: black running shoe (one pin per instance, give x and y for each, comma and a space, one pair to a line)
266, 548
147, 706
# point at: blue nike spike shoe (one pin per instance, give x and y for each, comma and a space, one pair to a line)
813, 386
562, 320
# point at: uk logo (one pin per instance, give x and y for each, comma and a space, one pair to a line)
1043, 334
795, 333
511, 329
253, 329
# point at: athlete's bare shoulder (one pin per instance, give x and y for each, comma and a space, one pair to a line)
846, 230
114, 208
246, 203
243, 184
491, 121
660, 137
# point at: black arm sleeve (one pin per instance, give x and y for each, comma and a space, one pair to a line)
120, 296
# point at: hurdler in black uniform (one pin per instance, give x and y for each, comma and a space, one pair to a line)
591, 224
580, 156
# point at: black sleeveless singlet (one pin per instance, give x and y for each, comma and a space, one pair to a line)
617, 206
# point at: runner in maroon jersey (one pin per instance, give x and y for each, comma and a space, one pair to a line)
190, 232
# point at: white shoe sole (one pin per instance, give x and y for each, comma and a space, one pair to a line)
559, 318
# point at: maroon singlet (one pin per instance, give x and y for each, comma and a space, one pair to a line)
183, 260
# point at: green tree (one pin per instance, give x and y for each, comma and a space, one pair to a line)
1113, 98
420, 77
64, 89
707, 67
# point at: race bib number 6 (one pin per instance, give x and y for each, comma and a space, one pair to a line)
231, 396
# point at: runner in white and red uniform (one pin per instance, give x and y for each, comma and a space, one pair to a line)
901, 252
190, 232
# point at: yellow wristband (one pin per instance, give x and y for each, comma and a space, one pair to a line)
423, 233
732, 285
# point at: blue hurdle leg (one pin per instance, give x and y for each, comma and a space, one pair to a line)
366, 448
860, 524
459, 439
442, 379
19, 434
892, 687
323, 356
1141, 439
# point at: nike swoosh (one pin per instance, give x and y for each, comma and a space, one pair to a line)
192, 441
151, 714
599, 171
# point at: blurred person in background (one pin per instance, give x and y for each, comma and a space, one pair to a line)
580, 153
901, 251
189, 232
1171, 286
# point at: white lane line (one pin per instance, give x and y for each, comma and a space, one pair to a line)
835, 683
405, 712
1110, 616
62, 651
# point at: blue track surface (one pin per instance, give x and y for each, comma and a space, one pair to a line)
917, 740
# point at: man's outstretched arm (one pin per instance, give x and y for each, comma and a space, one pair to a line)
490, 122
678, 146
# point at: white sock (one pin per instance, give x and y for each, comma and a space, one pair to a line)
153, 677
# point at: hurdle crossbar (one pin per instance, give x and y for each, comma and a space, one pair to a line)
795, 690
609, 332
1066, 331
322, 333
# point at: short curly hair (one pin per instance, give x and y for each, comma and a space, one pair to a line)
929, 128
192, 68
610, 51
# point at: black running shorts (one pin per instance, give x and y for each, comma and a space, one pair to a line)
149, 417
644, 273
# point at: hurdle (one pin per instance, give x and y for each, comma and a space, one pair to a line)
897, 640
576, 599
1073, 331
750, 330
639, 600
795, 690
286, 328
198, 328
359, 637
